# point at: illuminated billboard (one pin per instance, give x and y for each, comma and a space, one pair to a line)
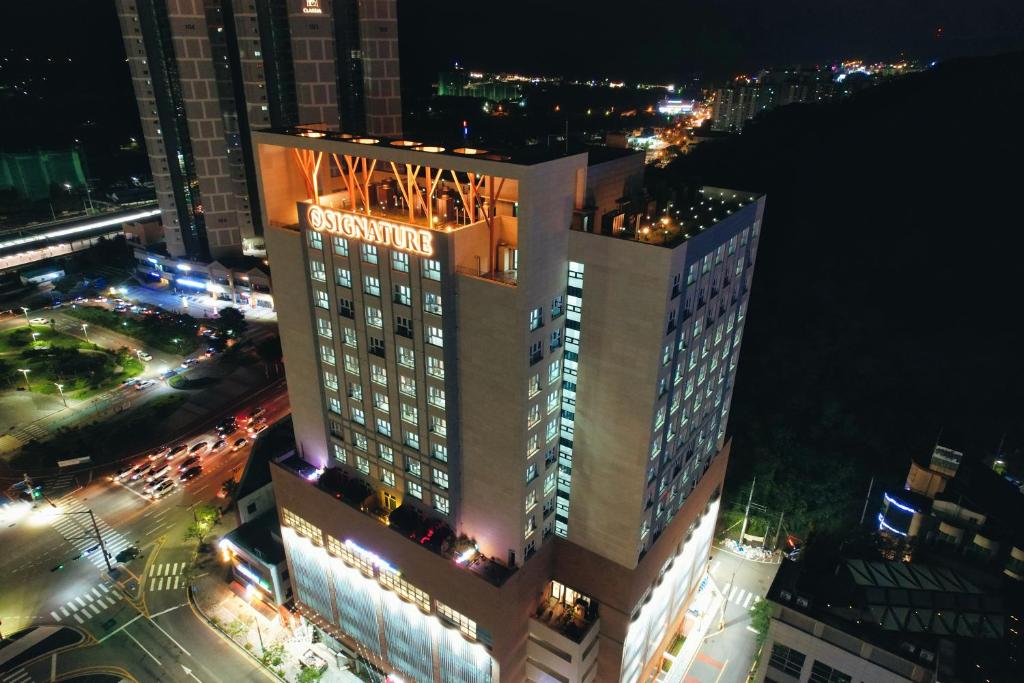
371, 229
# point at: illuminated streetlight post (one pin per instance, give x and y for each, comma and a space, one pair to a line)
35, 335
25, 371
25, 311
60, 388
85, 331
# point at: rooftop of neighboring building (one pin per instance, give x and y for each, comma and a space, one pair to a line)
260, 537
909, 610
277, 441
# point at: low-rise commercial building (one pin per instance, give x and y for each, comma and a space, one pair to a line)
242, 281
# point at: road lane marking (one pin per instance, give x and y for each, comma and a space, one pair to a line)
152, 531
104, 588
169, 609
176, 578
95, 592
714, 567
64, 611
170, 638
746, 603
80, 603
160, 586
92, 608
752, 629
78, 618
53, 667
119, 628
143, 649
55, 616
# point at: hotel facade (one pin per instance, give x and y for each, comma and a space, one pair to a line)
510, 387
205, 73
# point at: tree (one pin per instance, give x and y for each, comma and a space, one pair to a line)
760, 619
309, 675
269, 351
231, 321
273, 654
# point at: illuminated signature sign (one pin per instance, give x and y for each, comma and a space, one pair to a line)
312, 7
371, 229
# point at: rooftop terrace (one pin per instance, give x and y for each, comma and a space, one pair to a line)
524, 155
428, 532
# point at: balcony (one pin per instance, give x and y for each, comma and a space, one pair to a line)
566, 612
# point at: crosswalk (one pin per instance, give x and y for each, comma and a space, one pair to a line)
167, 576
19, 675
92, 603
77, 529
741, 596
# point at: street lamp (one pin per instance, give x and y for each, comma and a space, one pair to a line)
85, 331
25, 311
25, 371
60, 388
35, 335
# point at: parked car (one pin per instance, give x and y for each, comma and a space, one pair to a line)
37, 321
218, 445
191, 473
199, 448
176, 451
144, 384
153, 483
145, 356
239, 444
159, 453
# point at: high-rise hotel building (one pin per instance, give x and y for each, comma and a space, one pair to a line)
510, 391
206, 71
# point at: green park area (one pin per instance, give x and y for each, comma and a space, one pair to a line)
166, 331
39, 358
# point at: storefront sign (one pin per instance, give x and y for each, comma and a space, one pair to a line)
312, 7
372, 229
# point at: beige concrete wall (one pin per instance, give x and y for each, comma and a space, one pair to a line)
286, 252
622, 333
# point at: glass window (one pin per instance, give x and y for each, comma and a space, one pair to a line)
349, 336
549, 482
434, 336
532, 445
383, 426
533, 415
378, 374
556, 339
385, 453
316, 271
551, 431
786, 659
327, 354
340, 246
343, 277
322, 300
414, 489
339, 453
407, 385
330, 380
358, 416
387, 477
438, 425
435, 367
441, 504
555, 371
380, 401
334, 405
359, 441
557, 306
406, 357
431, 269
351, 364
374, 317
435, 396
410, 413
323, 328
403, 295
412, 439
414, 467
432, 303
822, 673
553, 400
536, 318
362, 464
534, 386
400, 261
369, 253
371, 285
316, 240
439, 451
531, 472
440, 478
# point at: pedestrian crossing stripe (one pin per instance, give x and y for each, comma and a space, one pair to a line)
90, 604
17, 676
166, 576
80, 533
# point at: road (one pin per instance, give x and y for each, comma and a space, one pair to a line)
153, 633
727, 655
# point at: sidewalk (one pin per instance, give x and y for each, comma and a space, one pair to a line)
702, 617
256, 627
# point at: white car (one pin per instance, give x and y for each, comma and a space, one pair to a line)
145, 356
159, 471
162, 489
145, 384
38, 321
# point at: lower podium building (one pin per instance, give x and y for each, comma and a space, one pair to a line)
510, 380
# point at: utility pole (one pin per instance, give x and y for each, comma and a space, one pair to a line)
867, 499
746, 513
99, 537
775, 543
